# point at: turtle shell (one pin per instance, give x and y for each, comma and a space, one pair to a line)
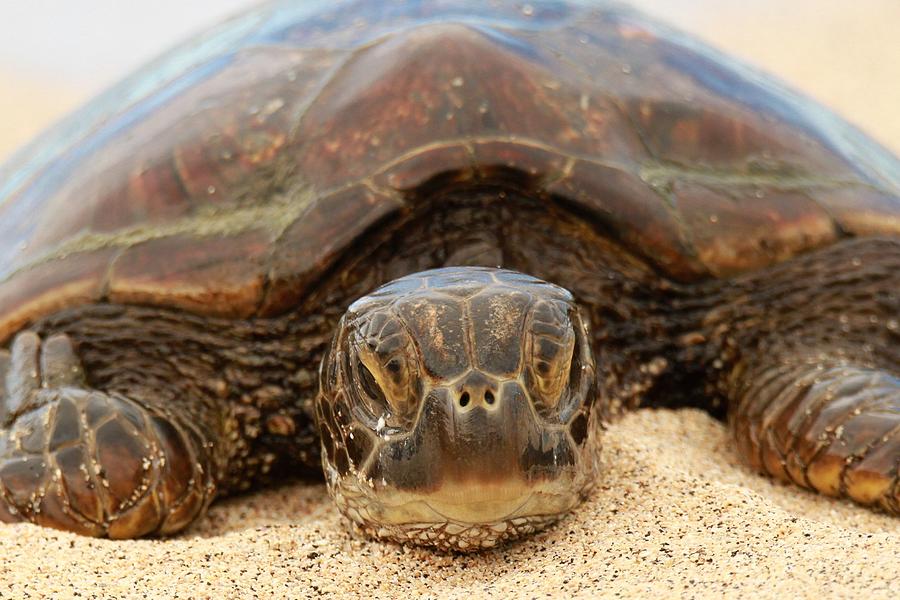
228, 175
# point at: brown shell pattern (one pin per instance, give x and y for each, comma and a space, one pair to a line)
229, 174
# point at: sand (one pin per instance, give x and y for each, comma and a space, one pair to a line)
675, 514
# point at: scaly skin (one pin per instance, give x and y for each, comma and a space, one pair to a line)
812, 351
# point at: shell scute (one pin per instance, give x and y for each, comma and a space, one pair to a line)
742, 227
861, 210
634, 213
213, 275
447, 82
206, 149
52, 286
726, 137
317, 237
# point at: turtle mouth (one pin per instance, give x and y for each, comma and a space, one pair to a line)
470, 481
474, 503
471, 502
464, 518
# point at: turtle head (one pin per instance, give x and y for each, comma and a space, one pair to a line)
455, 408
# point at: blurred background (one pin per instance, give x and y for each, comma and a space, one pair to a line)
56, 54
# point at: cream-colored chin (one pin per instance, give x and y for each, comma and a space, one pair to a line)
456, 522
484, 502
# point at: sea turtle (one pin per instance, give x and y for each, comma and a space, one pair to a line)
494, 225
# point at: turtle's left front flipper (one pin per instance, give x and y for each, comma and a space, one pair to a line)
813, 372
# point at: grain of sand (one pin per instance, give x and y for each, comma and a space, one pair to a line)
675, 513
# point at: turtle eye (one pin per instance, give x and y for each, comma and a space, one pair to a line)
551, 351
368, 383
385, 382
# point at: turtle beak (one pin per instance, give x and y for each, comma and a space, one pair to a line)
478, 454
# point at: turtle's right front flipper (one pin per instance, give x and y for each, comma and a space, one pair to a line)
92, 462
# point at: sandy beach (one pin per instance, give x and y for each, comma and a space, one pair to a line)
675, 514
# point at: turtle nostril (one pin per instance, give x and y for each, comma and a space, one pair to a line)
489, 397
464, 399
